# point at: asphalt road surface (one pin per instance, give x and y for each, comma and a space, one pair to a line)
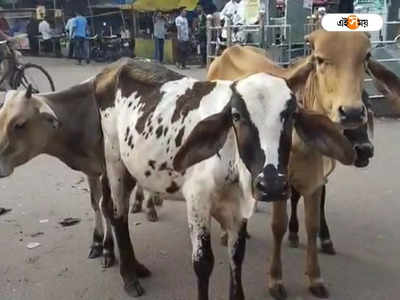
363, 210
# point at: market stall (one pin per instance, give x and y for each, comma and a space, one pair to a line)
142, 12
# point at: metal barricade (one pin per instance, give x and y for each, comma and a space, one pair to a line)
260, 35
385, 51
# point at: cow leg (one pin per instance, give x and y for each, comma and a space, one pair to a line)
157, 200
151, 212
202, 256
121, 185
324, 235
279, 226
96, 249
312, 218
294, 220
138, 200
236, 250
108, 213
148, 198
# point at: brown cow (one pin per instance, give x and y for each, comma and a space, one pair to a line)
333, 87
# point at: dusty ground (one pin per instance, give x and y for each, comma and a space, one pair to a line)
363, 210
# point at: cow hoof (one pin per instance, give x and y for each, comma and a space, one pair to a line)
142, 271
136, 208
319, 290
327, 248
109, 260
293, 240
158, 201
134, 289
95, 251
278, 292
152, 216
224, 239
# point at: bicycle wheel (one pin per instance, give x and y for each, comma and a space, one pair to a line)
36, 76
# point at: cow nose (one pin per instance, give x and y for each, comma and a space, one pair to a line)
349, 114
272, 188
365, 149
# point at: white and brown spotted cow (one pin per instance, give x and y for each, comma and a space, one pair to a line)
218, 145
339, 61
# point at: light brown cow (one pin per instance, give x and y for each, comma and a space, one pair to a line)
333, 87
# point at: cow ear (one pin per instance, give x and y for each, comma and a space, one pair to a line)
320, 133
297, 80
385, 81
205, 140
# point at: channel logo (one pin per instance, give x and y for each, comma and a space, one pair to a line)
352, 22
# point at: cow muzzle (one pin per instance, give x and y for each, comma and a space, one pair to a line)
352, 117
365, 152
271, 187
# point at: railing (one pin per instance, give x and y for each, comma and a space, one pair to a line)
277, 38
386, 43
259, 34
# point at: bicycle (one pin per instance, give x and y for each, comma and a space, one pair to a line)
17, 74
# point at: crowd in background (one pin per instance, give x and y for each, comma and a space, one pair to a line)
190, 35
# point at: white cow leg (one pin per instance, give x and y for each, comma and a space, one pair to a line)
107, 209
96, 249
202, 255
151, 212
236, 250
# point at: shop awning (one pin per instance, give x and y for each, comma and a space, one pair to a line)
163, 5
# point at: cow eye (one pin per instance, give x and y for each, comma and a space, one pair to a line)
320, 60
368, 56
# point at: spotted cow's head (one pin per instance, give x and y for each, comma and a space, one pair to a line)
262, 112
341, 61
25, 124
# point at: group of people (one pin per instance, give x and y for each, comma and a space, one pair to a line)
184, 34
49, 36
77, 30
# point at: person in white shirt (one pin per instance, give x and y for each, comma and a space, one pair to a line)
232, 10
68, 29
45, 31
182, 26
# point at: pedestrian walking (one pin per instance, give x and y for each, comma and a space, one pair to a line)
182, 26
68, 29
32, 30
159, 36
79, 32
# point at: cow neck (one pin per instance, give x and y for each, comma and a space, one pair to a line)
78, 141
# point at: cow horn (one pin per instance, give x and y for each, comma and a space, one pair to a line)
28, 93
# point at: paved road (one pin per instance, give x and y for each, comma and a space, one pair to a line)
363, 208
